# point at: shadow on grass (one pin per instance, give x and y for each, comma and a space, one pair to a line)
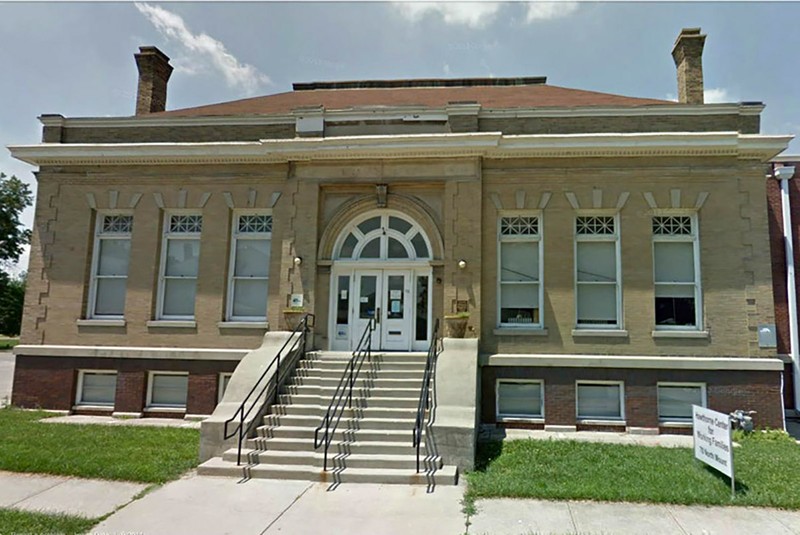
486, 453
739, 487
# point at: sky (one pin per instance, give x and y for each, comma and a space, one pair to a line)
76, 59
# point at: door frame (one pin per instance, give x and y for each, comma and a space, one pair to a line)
349, 269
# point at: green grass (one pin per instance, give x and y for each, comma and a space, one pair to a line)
569, 470
143, 454
12, 521
8, 343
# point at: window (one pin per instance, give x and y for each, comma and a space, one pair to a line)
96, 387
179, 263
249, 268
112, 249
519, 399
676, 272
167, 389
675, 400
381, 237
597, 273
520, 270
224, 378
600, 400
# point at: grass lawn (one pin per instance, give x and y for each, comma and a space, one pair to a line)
6, 344
143, 454
567, 470
12, 521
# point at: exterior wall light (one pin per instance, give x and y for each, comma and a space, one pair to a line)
462, 264
298, 260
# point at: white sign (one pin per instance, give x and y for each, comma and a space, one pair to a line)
296, 301
712, 439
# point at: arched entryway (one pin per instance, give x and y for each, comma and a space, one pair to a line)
381, 270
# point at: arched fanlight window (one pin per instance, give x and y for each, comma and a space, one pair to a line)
387, 236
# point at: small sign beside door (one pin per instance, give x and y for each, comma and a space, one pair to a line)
296, 301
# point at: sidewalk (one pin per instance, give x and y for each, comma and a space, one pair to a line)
90, 498
6, 377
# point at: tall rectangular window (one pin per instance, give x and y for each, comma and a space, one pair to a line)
180, 257
520, 271
249, 270
112, 248
597, 273
676, 272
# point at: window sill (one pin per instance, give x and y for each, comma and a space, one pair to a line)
520, 419
600, 333
94, 322
172, 324
514, 331
592, 421
675, 423
681, 334
89, 407
171, 409
263, 325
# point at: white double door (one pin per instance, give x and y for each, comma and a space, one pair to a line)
385, 296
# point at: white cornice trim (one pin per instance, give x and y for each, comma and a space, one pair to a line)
484, 144
639, 362
626, 111
170, 121
171, 353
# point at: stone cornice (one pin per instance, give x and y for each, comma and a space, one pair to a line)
484, 144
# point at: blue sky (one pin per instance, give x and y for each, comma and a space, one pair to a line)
76, 59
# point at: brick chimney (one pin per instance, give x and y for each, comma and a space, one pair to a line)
688, 56
154, 72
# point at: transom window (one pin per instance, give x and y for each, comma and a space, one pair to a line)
388, 236
676, 272
520, 269
597, 273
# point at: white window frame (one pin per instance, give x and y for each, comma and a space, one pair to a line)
703, 395
582, 417
499, 417
539, 239
615, 238
165, 237
150, 379
694, 238
221, 383
235, 237
79, 393
99, 236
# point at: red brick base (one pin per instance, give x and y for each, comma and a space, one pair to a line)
726, 391
51, 382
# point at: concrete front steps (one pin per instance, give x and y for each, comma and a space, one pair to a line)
372, 443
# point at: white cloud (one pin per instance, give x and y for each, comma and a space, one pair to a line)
549, 10
204, 51
446, 69
471, 14
717, 95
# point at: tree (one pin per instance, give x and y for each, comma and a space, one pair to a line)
15, 196
12, 297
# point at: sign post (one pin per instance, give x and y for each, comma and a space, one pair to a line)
712, 441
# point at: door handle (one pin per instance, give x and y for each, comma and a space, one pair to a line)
378, 315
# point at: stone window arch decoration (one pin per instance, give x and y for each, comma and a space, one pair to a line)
383, 235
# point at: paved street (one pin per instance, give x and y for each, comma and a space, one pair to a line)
6, 377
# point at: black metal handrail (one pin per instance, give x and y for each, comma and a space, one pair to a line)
425, 390
298, 339
337, 405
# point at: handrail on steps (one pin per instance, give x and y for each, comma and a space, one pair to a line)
425, 391
339, 401
298, 339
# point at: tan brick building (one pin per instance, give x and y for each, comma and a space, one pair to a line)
612, 252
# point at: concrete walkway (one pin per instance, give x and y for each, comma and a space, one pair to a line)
109, 420
6, 377
91, 498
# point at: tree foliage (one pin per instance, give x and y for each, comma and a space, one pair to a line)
15, 196
12, 297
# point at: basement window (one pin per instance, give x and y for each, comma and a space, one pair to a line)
600, 400
675, 400
97, 387
519, 399
167, 389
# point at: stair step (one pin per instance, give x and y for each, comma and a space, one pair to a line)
362, 381
341, 433
326, 373
312, 421
402, 447
371, 402
358, 391
316, 458
447, 475
318, 411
